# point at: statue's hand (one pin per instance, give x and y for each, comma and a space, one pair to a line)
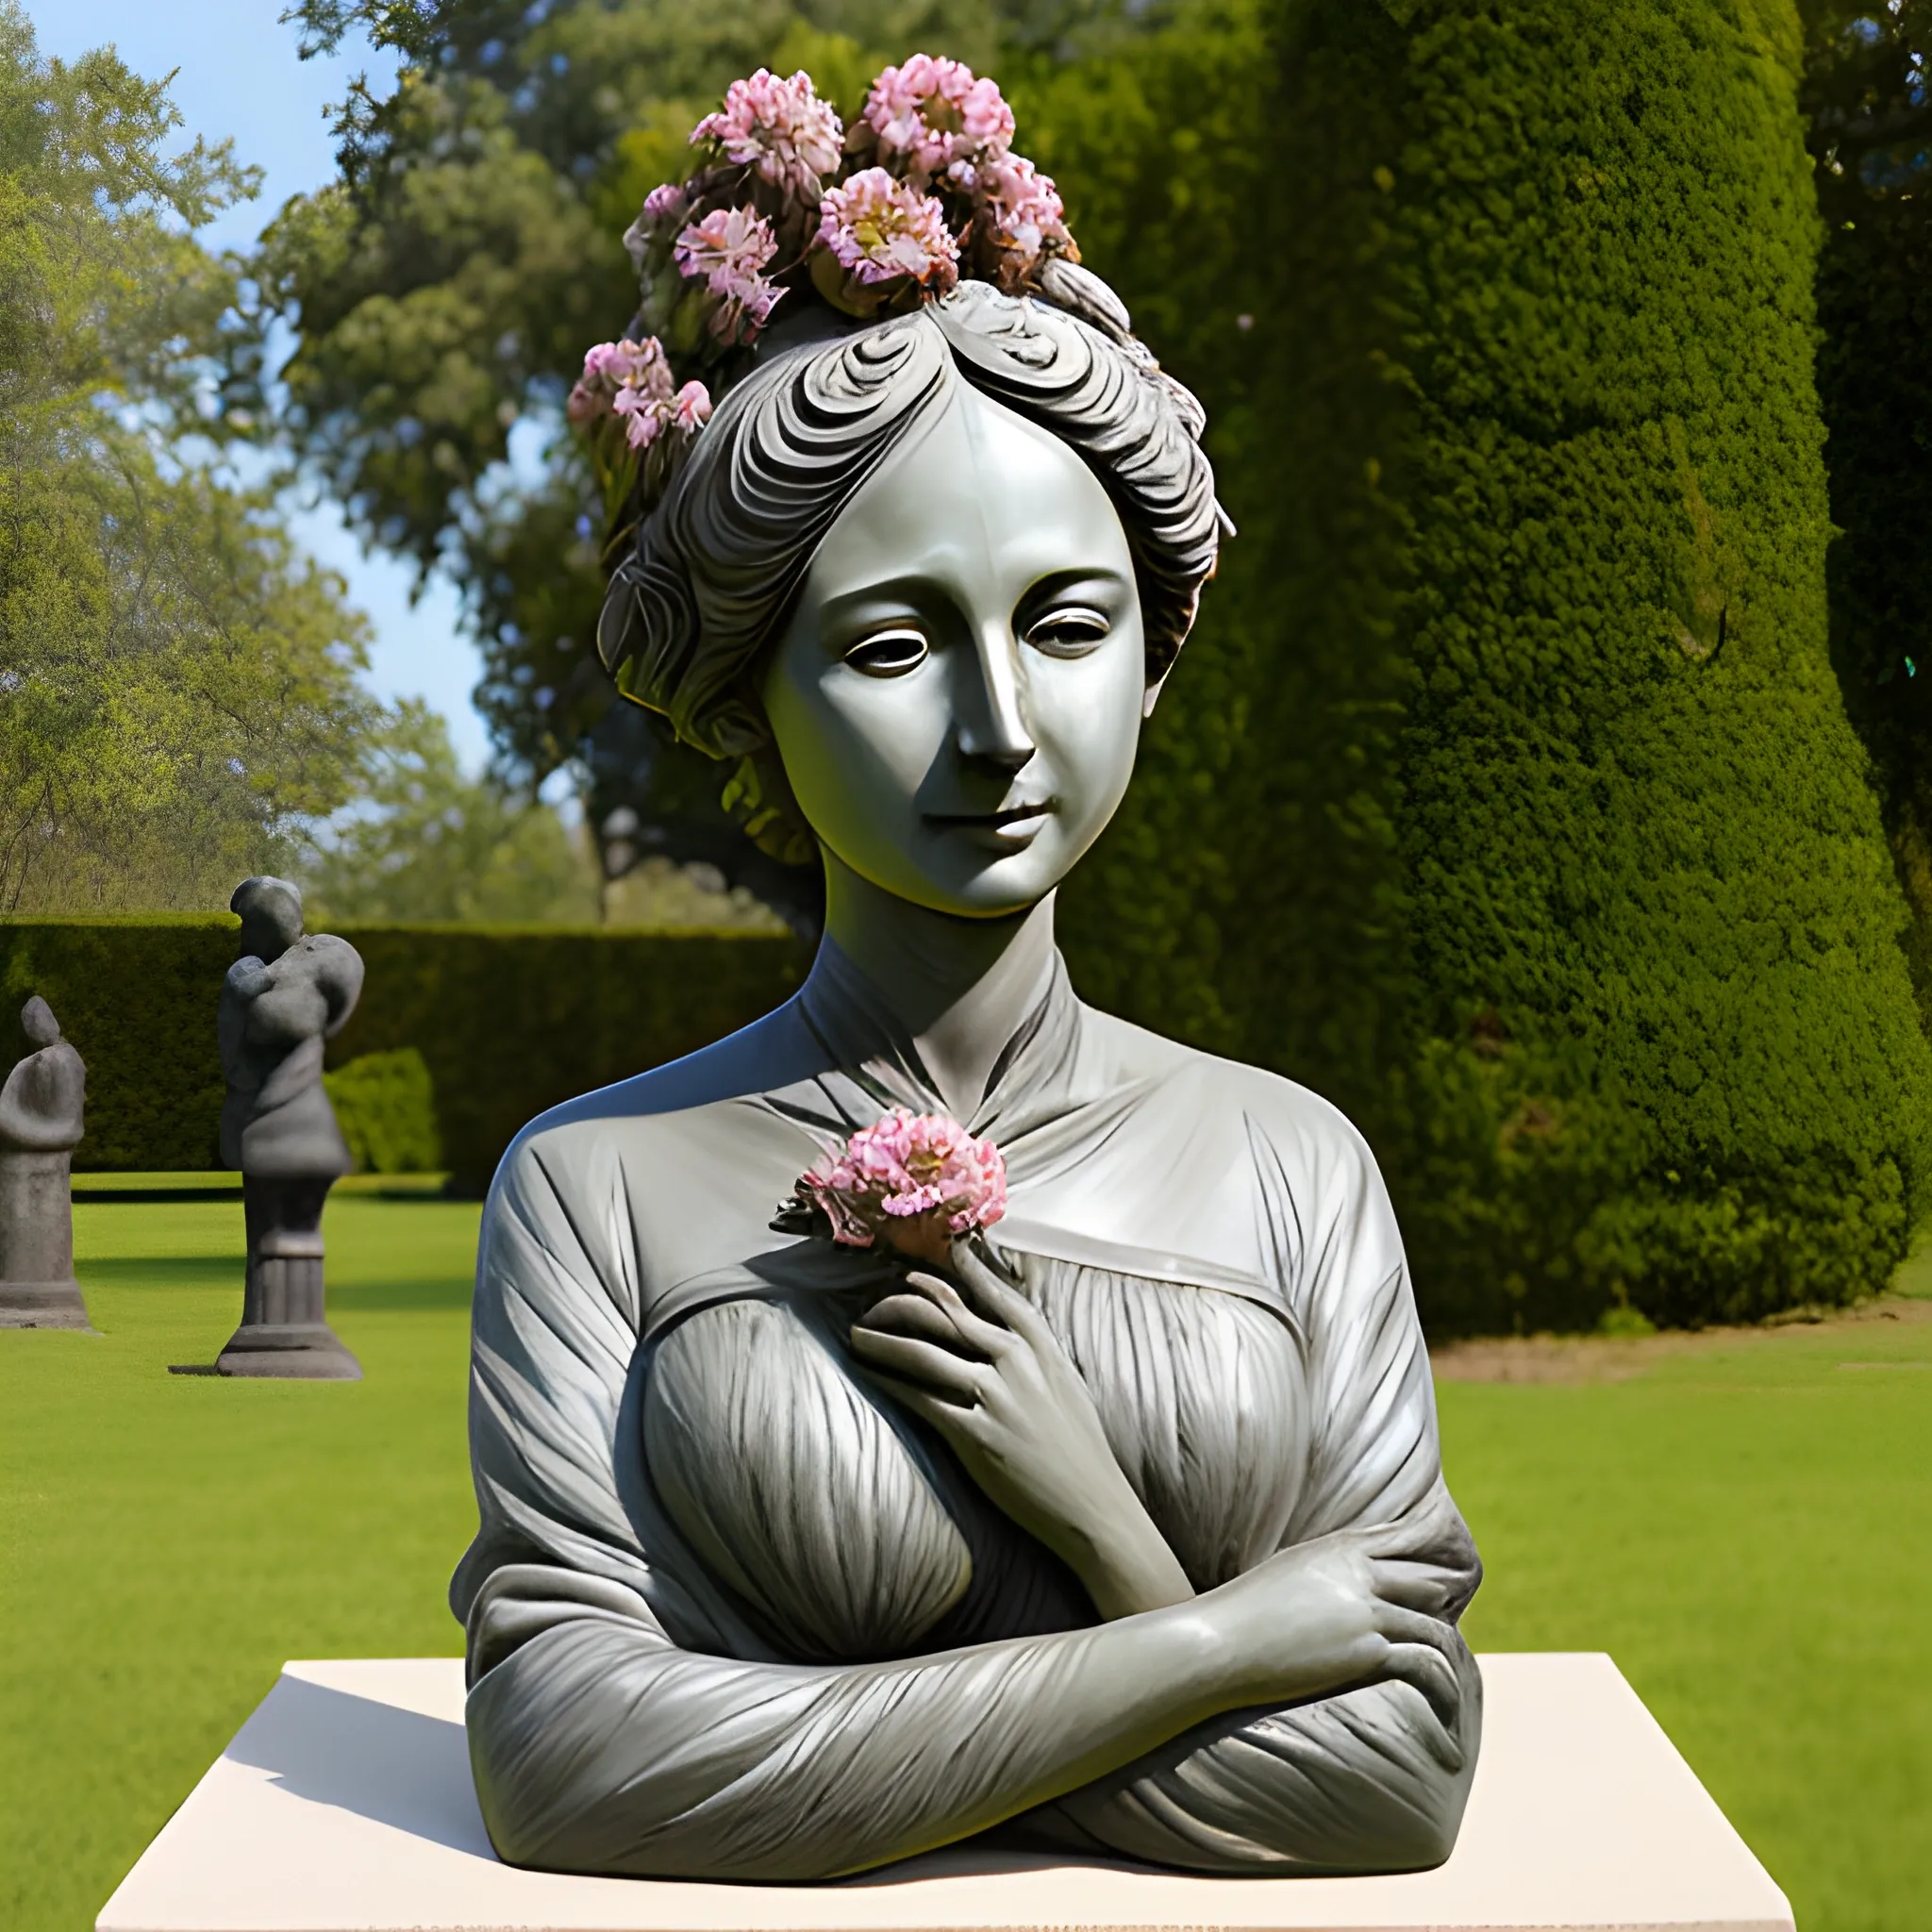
1338, 1612
992, 1379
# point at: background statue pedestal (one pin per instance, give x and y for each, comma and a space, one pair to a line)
346, 1800
37, 1285
40, 1114
284, 1331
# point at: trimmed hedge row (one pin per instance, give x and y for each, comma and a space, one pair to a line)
385, 1104
508, 1021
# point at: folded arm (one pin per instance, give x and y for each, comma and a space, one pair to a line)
1372, 1780
1375, 1779
599, 1745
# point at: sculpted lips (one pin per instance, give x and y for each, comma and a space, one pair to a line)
1011, 826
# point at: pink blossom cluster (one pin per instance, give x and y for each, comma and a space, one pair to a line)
941, 117
632, 381
912, 1179
932, 188
728, 248
879, 229
666, 202
646, 416
1024, 207
779, 126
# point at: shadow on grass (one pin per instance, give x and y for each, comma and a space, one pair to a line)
164, 1271
161, 1271
451, 1292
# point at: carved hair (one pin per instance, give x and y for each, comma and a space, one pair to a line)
714, 571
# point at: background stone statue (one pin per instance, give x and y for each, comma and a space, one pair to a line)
1119, 1531
40, 1126
284, 996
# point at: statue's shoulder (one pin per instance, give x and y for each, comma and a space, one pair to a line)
1209, 1098
627, 1195
691, 1131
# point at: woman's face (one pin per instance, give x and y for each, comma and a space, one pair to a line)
958, 697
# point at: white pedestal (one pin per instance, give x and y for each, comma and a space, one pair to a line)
344, 1805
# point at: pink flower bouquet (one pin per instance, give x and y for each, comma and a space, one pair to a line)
915, 1181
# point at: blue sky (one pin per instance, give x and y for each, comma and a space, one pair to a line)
239, 75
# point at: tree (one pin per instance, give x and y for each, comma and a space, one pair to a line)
1871, 136
424, 842
177, 684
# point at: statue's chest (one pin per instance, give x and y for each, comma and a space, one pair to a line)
851, 1533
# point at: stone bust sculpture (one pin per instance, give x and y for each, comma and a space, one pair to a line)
283, 998
41, 1105
1124, 1532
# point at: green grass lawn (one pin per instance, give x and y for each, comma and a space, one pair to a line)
166, 1540
1747, 1529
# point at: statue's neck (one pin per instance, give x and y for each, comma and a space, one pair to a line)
961, 987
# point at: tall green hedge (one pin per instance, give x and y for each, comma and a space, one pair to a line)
1518, 795
1872, 134
508, 1021
385, 1103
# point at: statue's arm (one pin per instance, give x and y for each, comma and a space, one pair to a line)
600, 1746
1375, 1779
1372, 1780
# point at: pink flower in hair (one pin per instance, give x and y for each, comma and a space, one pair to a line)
666, 202
639, 364
648, 417
939, 115
614, 372
915, 1181
645, 416
1025, 207
880, 230
780, 126
728, 248
690, 408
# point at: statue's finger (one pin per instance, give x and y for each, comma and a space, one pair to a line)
1413, 1585
934, 1369
956, 1420
1424, 1668
919, 1315
992, 1339
994, 1296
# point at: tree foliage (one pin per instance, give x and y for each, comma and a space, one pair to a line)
1870, 115
423, 841
177, 684
445, 290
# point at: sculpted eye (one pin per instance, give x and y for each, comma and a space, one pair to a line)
889, 653
1071, 631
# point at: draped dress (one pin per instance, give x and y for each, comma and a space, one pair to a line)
733, 1613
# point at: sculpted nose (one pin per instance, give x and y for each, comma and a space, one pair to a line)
993, 721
